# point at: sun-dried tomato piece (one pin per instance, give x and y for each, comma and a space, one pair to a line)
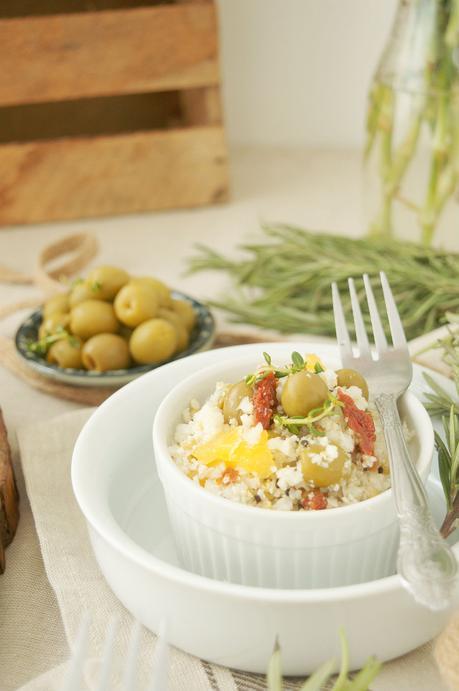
315, 503
264, 399
229, 476
361, 422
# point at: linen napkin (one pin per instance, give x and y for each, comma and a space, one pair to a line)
73, 573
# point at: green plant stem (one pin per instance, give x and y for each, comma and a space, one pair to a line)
382, 225
449, 525
452, 30
440, 150
428, 216
434, 111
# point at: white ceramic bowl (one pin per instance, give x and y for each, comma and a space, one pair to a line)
122, 501
277, 549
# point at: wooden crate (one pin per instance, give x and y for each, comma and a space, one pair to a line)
110, 110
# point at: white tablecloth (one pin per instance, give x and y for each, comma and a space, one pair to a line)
318, 190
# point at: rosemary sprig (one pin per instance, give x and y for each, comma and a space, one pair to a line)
283, 283
360, 682
448, 463
439, 403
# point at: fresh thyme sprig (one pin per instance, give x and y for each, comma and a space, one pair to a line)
298, 365
360, 682
42, 345
449, 344
294, 423
95, 286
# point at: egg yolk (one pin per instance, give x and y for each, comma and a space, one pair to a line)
230, 448
311, 361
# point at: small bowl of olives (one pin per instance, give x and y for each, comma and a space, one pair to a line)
111, 327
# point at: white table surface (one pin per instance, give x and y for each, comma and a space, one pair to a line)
317, 190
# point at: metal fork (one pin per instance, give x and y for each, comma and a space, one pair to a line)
74, 677
425, 562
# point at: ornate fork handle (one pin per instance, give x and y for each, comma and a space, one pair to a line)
425, 561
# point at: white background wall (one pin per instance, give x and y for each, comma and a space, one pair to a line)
296, 72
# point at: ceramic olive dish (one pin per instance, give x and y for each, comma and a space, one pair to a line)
202, 338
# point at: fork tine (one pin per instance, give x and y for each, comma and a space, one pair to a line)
395, 323
129, 677
107, 654
342, 334
360, 330
378, 331
74, 673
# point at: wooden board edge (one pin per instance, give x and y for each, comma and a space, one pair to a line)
9, 495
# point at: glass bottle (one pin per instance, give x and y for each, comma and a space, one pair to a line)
412, 138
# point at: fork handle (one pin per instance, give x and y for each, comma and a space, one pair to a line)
425, 562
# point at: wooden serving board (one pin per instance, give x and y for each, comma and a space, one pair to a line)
9, 496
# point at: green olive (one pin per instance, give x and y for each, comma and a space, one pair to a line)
153, 341
66, 353
232, 400
349, 377
321, 476
125, 332
92, 317
135, 303
55, 322
106, 351
57, 304
107, 281
182, 334
302, 392
185, 310
183, 338
170, 316
83, 290
161, 288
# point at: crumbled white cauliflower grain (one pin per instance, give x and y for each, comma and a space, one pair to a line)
285, 488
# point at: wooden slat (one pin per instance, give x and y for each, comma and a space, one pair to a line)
75, 178
90, 117
40, 8
104, 53
201, 106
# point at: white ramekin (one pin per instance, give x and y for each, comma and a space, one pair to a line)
228, 541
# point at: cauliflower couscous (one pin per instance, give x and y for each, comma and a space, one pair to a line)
299, 437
